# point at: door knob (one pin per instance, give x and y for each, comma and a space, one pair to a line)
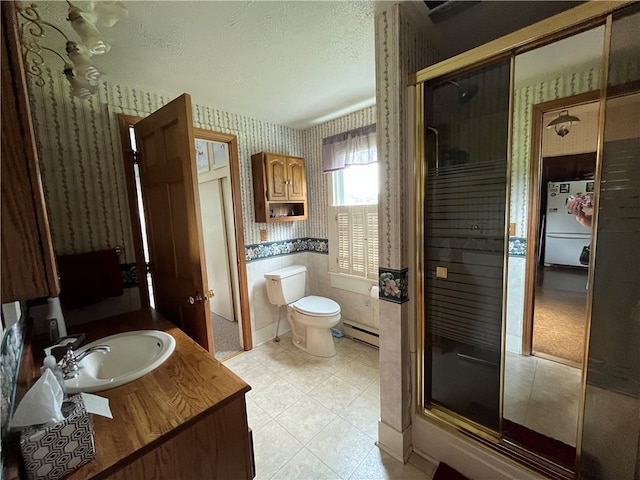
199, 298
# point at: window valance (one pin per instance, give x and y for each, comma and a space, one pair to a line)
355, 147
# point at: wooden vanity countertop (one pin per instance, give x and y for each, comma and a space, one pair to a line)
188, 386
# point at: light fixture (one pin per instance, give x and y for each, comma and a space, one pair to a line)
563, 123
82, 74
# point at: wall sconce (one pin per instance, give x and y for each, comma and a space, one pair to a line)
563, 123
82, 74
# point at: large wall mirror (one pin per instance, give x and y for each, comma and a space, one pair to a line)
528, 263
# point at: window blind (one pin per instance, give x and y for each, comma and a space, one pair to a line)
355, 237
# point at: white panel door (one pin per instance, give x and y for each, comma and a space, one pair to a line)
216, 246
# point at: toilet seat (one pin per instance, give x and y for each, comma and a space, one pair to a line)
316, 306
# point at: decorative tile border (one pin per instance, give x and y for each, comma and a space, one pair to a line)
394, 284
261, 251
517, 246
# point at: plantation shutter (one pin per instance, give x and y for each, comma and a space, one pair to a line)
356, 238
357, 241
372, 242
343, 240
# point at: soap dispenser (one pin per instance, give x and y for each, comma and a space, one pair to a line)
51, 364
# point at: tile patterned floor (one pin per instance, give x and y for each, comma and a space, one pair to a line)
543, 396
315, 418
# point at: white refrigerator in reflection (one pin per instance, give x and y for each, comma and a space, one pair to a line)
564, 236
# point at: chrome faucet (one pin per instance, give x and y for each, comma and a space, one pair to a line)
70, 361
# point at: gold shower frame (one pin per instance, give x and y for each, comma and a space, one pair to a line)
563, 25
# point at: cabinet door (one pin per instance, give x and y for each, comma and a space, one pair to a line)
276, 177
297, 179
28, 262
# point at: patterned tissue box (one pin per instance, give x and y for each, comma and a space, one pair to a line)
53, 451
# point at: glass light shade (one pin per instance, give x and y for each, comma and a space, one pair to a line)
82, 66
109, 13
87, 31
80, 87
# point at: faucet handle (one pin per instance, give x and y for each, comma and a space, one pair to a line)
69, 364
71, 340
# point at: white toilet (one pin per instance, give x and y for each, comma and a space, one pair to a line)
311, 318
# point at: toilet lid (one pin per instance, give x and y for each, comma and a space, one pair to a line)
318, 306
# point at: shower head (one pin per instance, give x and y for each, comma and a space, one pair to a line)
465, 92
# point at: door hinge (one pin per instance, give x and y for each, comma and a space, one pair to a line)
134, 156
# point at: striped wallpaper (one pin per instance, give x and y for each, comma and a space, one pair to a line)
81, 161
82, 168
524, 98
560, 86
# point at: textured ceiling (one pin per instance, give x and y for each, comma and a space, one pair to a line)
293, 63
290, 63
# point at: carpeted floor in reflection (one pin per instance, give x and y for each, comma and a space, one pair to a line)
226, 337
560, 313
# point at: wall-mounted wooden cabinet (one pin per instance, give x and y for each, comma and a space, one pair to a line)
279, 187
28, 262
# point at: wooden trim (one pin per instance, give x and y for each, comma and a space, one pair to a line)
234, 168
14, 82
551, 29
533, 227
555, 359
124, 122
236, 200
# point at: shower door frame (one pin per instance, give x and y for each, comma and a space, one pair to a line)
563, 25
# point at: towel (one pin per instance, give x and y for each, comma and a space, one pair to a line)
87, 278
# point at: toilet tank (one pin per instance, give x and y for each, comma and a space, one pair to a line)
286, 285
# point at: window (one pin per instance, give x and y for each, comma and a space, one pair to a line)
353, 212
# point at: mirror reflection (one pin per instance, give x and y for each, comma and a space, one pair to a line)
555, 131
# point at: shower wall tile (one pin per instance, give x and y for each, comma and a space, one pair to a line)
359, 308
515, 303
391, 365
262, 312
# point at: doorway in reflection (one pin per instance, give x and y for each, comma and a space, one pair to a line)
567, 180
547, 318
542, 391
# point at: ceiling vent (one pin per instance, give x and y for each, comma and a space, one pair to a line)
439, 11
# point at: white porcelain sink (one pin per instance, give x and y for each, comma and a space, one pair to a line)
133, 354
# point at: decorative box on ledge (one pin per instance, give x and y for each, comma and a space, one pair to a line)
56, 450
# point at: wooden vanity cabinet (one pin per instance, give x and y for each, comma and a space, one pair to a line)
279, 187
28, 261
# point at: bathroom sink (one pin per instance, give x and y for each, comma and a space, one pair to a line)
133, 354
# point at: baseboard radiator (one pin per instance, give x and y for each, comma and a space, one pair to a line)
363, 333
